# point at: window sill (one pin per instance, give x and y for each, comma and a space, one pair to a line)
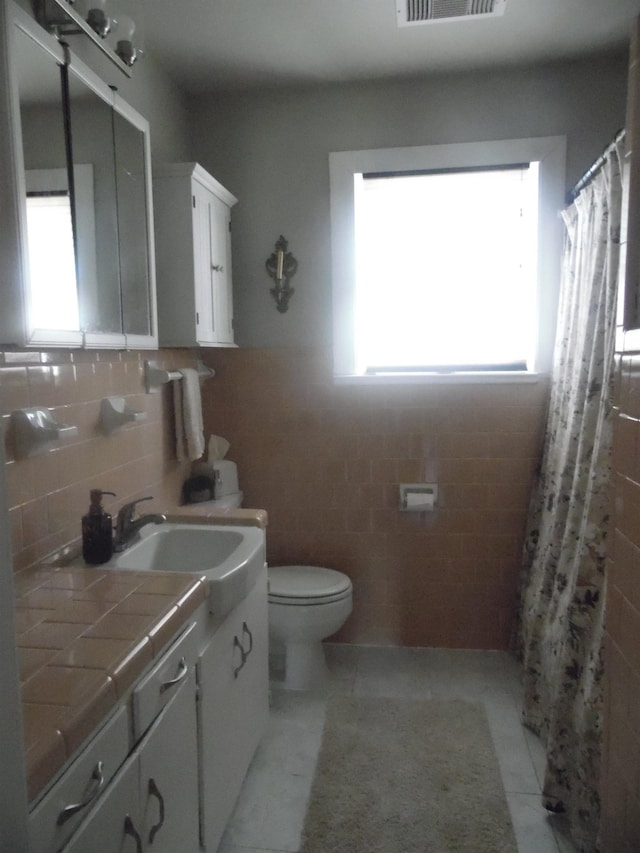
479, 378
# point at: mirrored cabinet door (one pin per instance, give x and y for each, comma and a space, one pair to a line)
133, 179
46, 195
94, 192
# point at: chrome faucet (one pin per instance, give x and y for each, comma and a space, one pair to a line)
127, 528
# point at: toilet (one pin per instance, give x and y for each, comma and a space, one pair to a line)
306, 605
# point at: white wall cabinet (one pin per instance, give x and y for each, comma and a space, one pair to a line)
233, 708
192, 214
152, 803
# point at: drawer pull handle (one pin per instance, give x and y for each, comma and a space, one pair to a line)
238, 644
96, 781
154, 791
183, 669
129, 829
245, 630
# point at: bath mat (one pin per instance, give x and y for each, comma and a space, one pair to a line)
405, 776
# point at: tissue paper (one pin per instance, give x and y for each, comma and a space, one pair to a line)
419, 501
218, 448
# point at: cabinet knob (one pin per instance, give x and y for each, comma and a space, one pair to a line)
243, 656
154, 791
245, 630
217, 267
129, 829
183, 671
93, 788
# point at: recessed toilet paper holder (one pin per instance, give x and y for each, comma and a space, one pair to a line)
418, 497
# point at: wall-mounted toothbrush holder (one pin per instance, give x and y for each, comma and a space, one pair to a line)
116, 413
36, 429
156, 376
418, 497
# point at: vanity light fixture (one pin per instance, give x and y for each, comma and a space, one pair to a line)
281, 266
102, 21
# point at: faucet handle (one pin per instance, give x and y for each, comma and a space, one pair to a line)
139, 500
126, 510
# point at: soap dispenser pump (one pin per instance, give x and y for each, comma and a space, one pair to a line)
97, 531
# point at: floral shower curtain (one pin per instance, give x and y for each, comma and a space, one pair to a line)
561, 611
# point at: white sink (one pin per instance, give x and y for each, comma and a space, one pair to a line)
229, 557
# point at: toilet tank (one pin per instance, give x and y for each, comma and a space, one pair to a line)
225, 478
216, 485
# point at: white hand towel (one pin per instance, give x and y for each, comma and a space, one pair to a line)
188, 412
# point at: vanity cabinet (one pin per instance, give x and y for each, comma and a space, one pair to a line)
233, 708
192, 214
164, 771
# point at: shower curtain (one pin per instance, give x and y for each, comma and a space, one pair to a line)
561, 609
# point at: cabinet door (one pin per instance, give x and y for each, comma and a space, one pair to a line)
169, 777
253, 678
221, 739
113, 826
212, 260
233, 707
221, 271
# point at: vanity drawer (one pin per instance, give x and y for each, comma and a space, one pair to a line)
161, 683
79, 787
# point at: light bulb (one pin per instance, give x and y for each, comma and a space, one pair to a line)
97, 18
125, 47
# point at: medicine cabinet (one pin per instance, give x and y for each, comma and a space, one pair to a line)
193, 238
79, 247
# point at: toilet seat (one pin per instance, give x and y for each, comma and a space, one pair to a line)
307, 585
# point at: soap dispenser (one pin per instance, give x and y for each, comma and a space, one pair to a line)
97, 531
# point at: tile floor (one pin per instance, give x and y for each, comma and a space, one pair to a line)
270, 811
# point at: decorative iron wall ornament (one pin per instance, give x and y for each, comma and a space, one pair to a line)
281, 266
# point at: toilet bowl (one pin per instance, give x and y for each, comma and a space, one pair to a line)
306, 605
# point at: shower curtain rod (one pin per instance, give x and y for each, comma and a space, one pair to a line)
593, 170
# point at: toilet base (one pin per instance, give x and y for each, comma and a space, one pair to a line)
305, 666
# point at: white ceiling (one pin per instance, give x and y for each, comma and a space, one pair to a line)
214, 44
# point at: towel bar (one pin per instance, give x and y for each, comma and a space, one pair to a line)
156, 376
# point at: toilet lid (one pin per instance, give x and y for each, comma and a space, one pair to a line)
306, 585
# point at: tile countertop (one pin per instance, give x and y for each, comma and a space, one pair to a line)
85, 635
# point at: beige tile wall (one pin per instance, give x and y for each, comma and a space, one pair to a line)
620, 830
326, 461
49, 493
620, 779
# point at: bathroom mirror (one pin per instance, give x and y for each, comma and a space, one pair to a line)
81, 182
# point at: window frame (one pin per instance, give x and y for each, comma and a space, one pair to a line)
549, 152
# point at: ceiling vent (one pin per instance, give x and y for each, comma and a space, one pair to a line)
412, 12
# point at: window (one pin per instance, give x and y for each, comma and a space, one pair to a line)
56, 260
446, 259
52, 263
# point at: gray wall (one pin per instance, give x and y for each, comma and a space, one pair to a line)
271, 150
